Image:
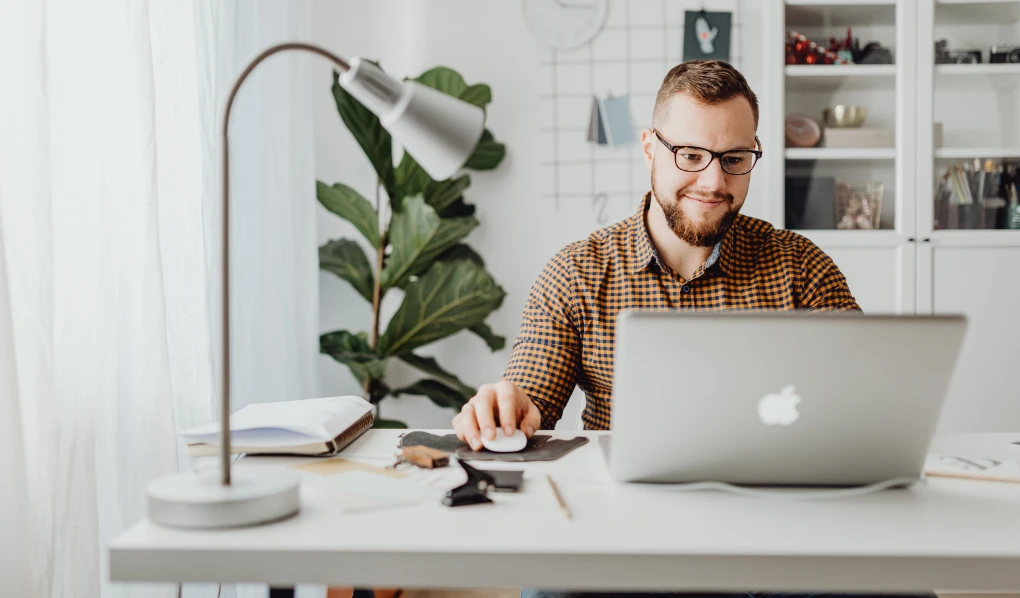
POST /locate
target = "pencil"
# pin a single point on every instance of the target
(559, 497)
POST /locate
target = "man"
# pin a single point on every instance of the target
(686, 247)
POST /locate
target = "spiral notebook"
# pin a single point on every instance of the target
(313, 427)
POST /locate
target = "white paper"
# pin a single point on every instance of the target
(286, 423)
(977, 468)
(363, 491)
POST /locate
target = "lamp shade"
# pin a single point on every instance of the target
(438, 130)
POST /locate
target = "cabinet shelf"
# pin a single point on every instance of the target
(950, 153)
(841, 153)
(831, 76)
(978, 70)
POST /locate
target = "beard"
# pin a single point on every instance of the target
(703, 234)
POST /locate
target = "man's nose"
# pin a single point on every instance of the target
(712, 178)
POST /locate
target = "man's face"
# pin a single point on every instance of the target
(699, 206)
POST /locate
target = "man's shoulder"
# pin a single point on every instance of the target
(600, 248)
(762, 235)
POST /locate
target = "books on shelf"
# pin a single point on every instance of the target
(313, 427)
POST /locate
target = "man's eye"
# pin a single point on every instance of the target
(691, 157)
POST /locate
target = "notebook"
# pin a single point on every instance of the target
(316, 427)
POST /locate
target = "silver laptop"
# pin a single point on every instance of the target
(777, 398)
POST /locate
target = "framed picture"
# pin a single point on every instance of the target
(707, 35)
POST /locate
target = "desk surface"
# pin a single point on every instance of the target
(948, 535)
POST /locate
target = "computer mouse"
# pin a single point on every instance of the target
(505, 444)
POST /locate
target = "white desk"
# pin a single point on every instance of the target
(947, 535)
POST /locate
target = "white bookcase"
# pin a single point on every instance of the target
(911, 264)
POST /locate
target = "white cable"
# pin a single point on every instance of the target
(783, 494)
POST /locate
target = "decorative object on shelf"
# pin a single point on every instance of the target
(802, 50)
(562, 25)
(972, 194)
(1004, 53)
(943, 55)
(707, 35)
(418, 253)
(802, 131)
(874, 53)
(858, 207)
(843, 116)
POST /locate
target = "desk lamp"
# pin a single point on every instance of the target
(440, 132)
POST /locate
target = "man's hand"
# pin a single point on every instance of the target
(501, 403)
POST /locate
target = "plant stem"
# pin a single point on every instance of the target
(377, 293)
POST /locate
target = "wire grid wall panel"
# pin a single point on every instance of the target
(640, 42)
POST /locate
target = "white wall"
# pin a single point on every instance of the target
(487, 42)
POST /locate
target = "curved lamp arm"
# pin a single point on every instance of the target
(225, 372)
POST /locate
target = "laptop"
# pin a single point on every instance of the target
(777, 398)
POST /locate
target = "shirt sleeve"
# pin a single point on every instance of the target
(823, 285)
(545, 356)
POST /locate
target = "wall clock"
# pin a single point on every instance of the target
(564, 24)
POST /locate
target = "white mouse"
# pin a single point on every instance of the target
(505, 444)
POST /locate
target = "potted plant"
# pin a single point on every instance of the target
(419, 250)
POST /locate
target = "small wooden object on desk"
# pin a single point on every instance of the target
(423, 456)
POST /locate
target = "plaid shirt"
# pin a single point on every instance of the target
(569, 321)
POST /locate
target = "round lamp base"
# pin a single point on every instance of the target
(197, 501)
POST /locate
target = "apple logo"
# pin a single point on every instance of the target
(779, 408)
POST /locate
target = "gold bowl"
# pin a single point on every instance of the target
(844, 116)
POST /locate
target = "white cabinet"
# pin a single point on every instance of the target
(984, 284)
(937, 250)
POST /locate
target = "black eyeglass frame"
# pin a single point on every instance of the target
(675, 148)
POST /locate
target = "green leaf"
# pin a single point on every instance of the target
(451, 296)
(460, 251)
(458, 209)
(353, 351)
(488, 154)
(445, 80)
(479, 95)
(441, 394)
(492, 339)
(441, 194)
(352, 207)
(430, 366)
(374, 140)
(418, 235)
(411, 179)
(388, 423)
(345, 258)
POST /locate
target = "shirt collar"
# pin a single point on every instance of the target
(646, 253)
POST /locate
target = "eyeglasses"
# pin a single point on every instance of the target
(695, 159)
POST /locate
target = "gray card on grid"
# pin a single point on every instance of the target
(598, 122)
(616, 112)
(707, 35)
(593, 120)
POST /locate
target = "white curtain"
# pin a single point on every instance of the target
(110, 113)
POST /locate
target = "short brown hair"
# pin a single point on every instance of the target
(707, 81)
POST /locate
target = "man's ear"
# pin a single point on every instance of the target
(648, 141)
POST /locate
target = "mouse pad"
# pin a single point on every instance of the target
(541, 447)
